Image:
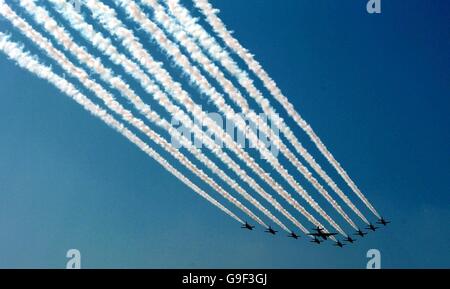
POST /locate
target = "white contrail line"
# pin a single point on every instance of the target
(77, 21)
(221, 55)
(25, 61)
(219, 27)
(106, 14)
(106, 97)
(177, 31)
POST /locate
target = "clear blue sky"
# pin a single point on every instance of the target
(374, 87)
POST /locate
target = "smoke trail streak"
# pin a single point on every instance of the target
(221, 55)
(106, 97)
(25, 61)
(177, 31)
(107, 17)
(104, 45)
(219, 27)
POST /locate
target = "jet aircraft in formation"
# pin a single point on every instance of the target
(319, 234)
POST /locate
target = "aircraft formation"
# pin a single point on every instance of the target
(320, 235)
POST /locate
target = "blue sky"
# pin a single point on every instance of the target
(374, 87)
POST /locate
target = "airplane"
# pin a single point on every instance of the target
(383, 221)
(293, 235)
(349, 239)
(270, 230)
(315, 240)
(318, 229)
(320, 233)
(247, 226)
(371, 227)
(338, 244)
(360, 233)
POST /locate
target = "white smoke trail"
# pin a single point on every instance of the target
(106, 97)
(221, 55)
(104, 45)
(108, 19)
(25, 61)
(219, 27)
(177, 31)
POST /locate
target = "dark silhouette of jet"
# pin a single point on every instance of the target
(321, 233)
(338, 244)
(371, 227)
(383, 221)
(293, 235)
(360, 233)
(349, 239)
(315, 240)
(247, 226)
(270, 231)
